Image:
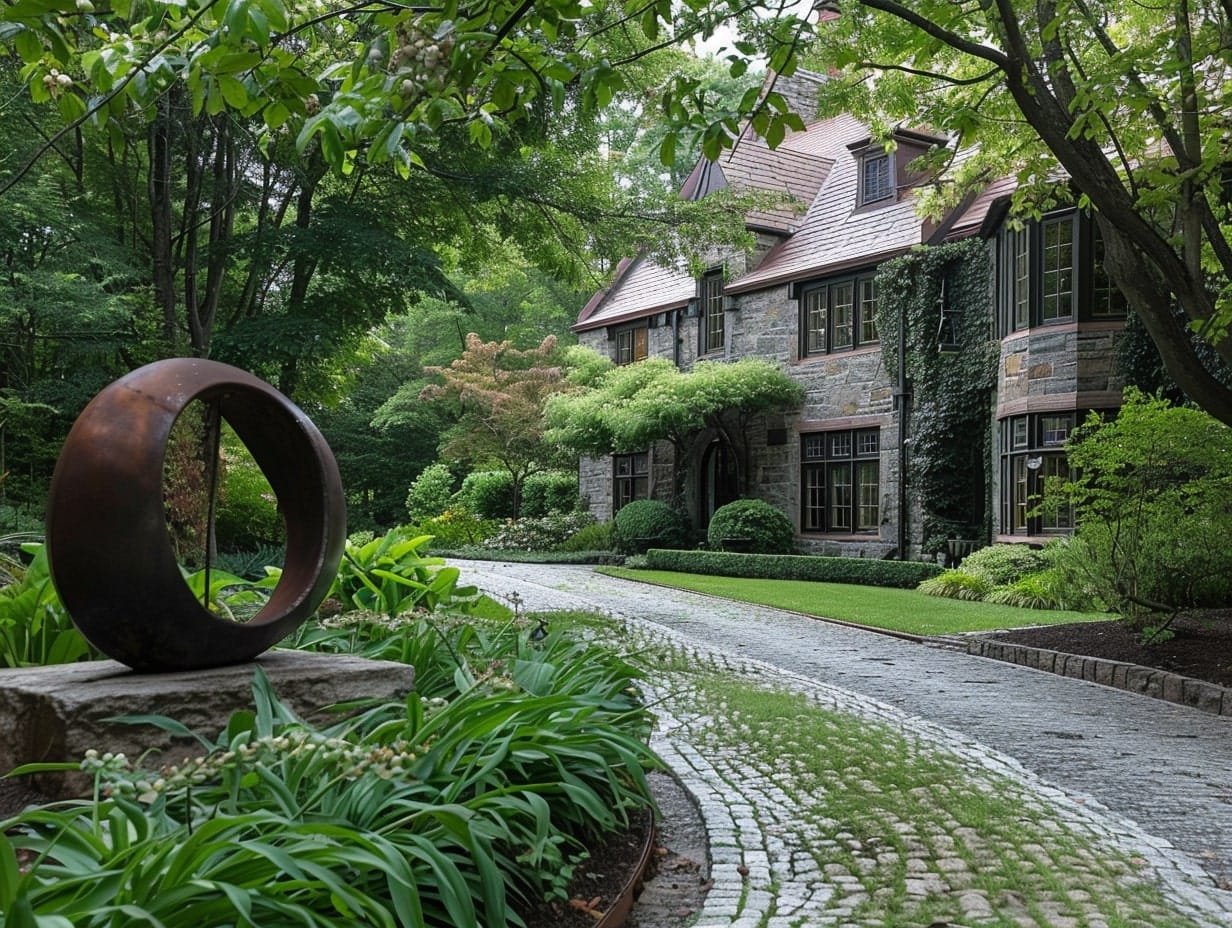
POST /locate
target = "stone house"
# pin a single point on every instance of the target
(845, 465)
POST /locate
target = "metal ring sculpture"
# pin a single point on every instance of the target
(111, 555)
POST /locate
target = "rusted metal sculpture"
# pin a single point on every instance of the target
(111, 554)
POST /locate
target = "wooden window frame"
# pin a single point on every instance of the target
(840, 482)
(823, 330)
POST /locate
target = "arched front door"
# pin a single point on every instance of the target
(719, 483)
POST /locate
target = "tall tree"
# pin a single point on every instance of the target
(498, 394)
(1131, 101)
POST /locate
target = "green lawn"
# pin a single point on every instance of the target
(880, 607)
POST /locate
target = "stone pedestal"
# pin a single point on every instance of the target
(56, 713)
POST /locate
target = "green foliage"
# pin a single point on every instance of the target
(949, 455)
(598, 536)
(497, 393)
(604, 556)
(1043, 590)
(246, 516)
(550, 492)
(751, 525)
(1151, 505)
(430, 493)
(1015, 575)
(251, 564)
(633, 406)
(487, 493)
(904, 574)
(545, 534)
(957, 584)
(412, 813)
(390, 575)
(455, 527)
(1000, 565)
(35, 628)
(645, 522)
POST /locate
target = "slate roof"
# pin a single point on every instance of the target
(751, 165)
(837, 233)
(639, 288)
(817, 167)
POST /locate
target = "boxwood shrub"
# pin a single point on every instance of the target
(864, 571)
(751, 525)
(648, 521)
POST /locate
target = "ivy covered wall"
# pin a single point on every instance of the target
(943, 297)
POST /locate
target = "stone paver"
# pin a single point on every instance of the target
(1149, 778)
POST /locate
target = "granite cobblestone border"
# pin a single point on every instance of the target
(1133, 678)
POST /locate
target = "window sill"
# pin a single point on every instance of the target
(844, 353)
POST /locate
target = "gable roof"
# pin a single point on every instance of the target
(640, 287)
(752, 166)
(837, 233)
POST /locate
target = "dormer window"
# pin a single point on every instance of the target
(875, 178)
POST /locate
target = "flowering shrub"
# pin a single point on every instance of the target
(542, 534)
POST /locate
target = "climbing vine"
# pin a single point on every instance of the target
(944, 297)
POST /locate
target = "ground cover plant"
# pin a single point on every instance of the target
(1016, 575)
(892, 609)
(459, 807)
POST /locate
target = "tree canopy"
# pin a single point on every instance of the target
(1118, 106)
(629, 408)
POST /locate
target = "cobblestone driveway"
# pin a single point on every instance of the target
(1151, 773)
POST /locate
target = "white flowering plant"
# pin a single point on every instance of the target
(446, 809)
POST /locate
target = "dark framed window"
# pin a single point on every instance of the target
(1032, 453)
(1052, 271)
(630, 479)
(876, 177)
(838, 315)
(713, 321)
(840, 481)
(631, 344)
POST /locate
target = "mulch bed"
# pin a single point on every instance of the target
(1201, 645)
(597, 882)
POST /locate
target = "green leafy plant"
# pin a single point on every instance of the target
(247, 515)
(455, 527)
(645, 522)
(390, 575)
(753, 525)
(35, 628)
(594, 537)
(1150, 500)
(430, 493)
(865, 571)
(957, 584)
(549, 492)
(488, 493)
(999, 565)
(432, 812)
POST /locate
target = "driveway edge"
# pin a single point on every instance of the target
(1134, 678)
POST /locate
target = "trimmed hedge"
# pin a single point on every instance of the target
(863, 571)
(472, 553)
(757, 524)
(648, 521)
